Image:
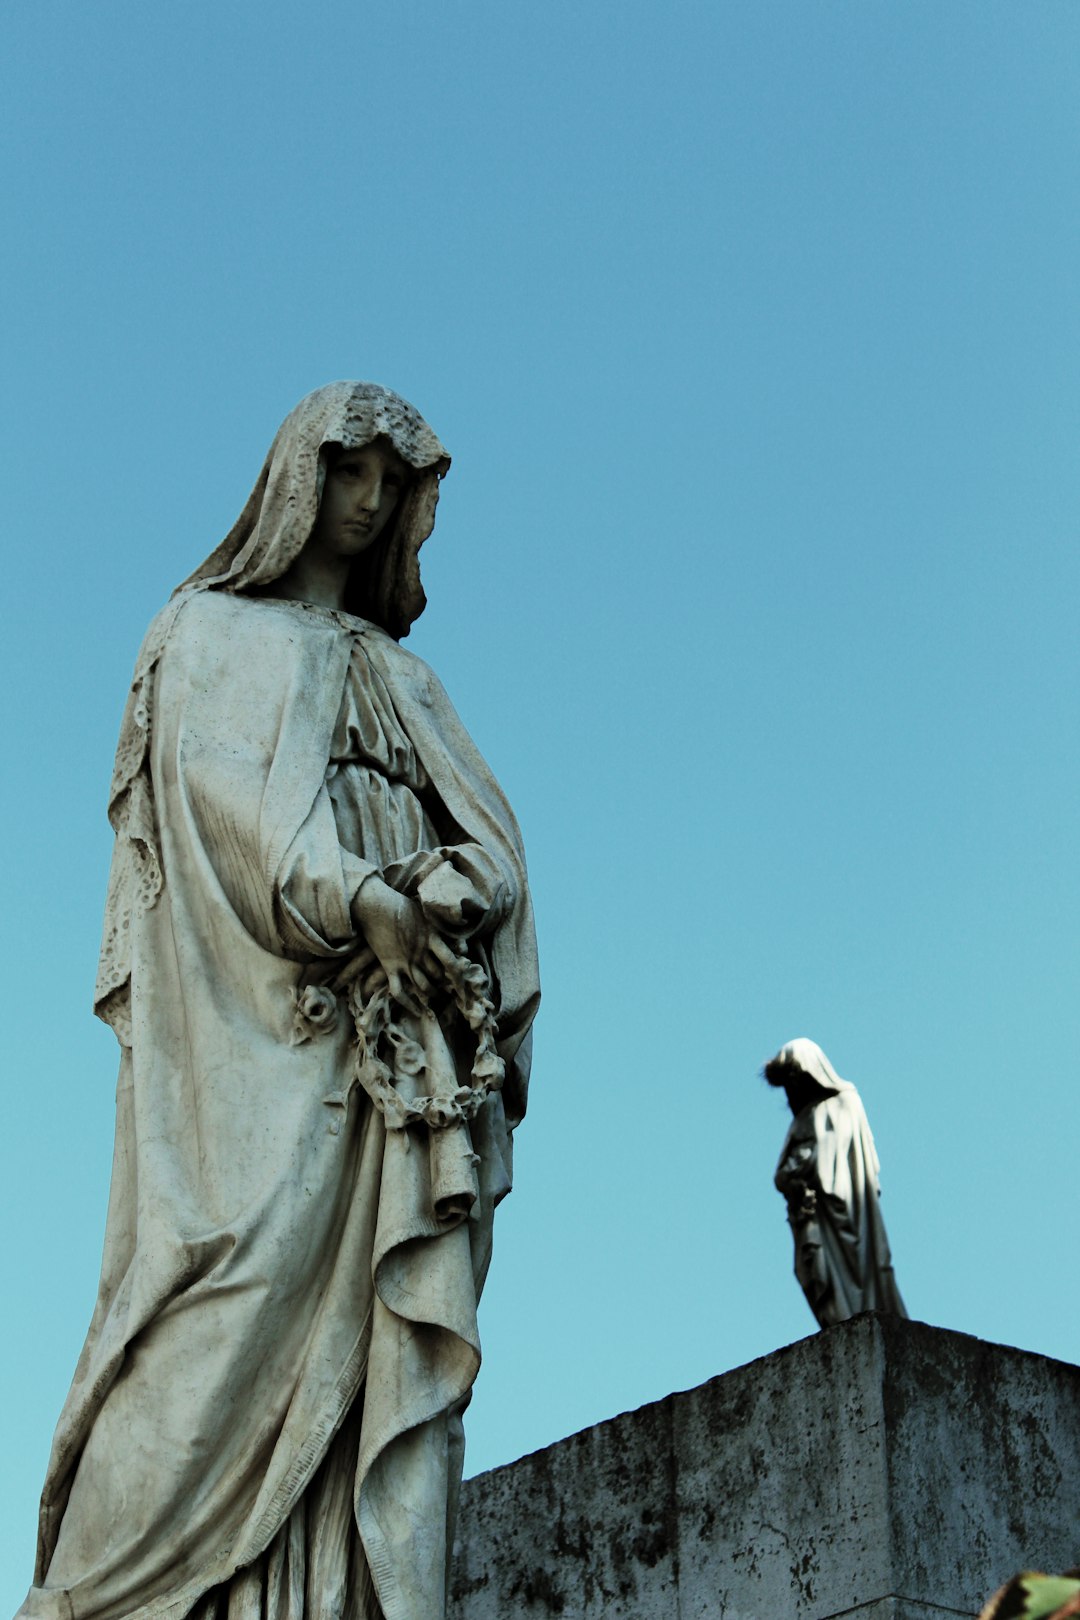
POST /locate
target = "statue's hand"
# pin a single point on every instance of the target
(455, 904)
(409, 950)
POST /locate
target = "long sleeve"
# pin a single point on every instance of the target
(246, 741)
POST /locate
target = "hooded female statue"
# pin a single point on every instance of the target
(320, 964)
(828, 1174)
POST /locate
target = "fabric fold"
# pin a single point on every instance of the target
(829, 1176)
(283, 1275)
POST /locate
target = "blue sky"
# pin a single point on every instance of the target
(754, 332)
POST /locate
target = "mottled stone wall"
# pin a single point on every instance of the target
(883, 1469)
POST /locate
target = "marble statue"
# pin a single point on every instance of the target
(320, 964)
(828, 1174)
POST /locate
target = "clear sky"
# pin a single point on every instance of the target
(754, 332)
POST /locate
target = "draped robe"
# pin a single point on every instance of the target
(829, 1176)
(277, 1270)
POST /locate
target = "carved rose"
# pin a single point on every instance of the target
(316, 1012)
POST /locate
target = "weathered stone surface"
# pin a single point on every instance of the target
(319, 961)
(883, 1469)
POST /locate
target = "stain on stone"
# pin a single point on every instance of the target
(651, 1543)
(871, 1454)
(538, 1590)
(465, 1586)
(803, 1572)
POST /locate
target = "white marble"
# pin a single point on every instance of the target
(320, 964)
(830, 1178)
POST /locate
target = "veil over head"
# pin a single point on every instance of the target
(280, 513)
(262, 545)
(843, 1102)
(805, 1054)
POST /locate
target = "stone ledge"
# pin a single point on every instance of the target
(896, 1608)
(878, 1458)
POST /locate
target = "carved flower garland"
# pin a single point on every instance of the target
(385, 1052)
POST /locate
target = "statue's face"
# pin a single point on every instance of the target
(361, 491)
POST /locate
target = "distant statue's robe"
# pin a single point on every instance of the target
(829, 1176)
(285, 1335)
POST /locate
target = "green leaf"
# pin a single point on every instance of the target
(1045, 1594)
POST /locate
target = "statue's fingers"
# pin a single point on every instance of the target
(355, 966)
(421, 980)
(441, 950)
(402, 993)
(375, 980)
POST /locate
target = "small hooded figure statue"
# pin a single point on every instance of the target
(320, 966)
(828, 1174)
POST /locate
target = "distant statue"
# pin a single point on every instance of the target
(828, 1174)
(320, 966)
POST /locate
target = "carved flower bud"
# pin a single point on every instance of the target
(318, 1005)
(316, 1012)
